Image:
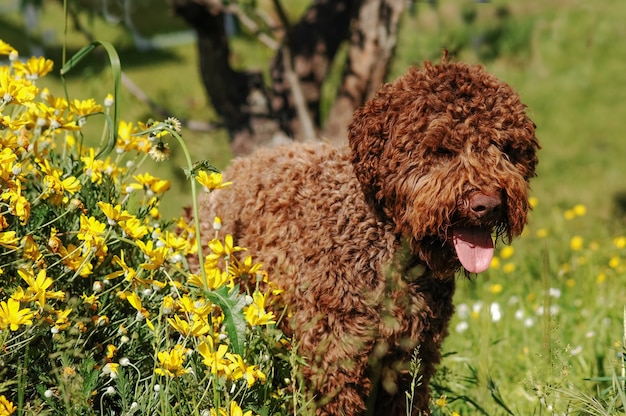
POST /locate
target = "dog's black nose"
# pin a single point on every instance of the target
(484, 206)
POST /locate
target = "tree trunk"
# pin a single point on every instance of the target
(257, 118)
(239, 98)
(312, 45)
(372, 45)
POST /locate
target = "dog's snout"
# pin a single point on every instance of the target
(484, 206)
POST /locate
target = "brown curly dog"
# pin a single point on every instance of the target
(366, 240)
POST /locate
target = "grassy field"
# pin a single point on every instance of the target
(542, 331)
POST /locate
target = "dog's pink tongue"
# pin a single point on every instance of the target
(474, 247)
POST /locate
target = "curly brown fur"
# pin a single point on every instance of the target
(363, 238)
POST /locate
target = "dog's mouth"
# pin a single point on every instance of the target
(474, 247)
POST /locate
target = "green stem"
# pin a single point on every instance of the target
(194, 204)
(21, 382)
(547, 318)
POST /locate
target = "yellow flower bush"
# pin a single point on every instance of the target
(99, 311)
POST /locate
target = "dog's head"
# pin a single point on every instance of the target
(446, 153)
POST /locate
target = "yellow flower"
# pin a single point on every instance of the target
(85, 107)
(134, 300)
(619, 242)
(569, 214)
(542, 233)
(255, 313)
(441, 402)
(168, 305)
(218, 249)
(73, 259)
(55, 187)
(126, 141)
(215, 359)
(508, 268)
(247, 268)
(495, 263)
(20, 206)
(111, 351)
(234, 410)
(68, 372)
(601, 278)
(93, 167)
(576, 243)
(34, 68)
(215, 278)
(12, 317)
(37, 287)
(171, 362)
(111, 369)
(156, 256)
(7, 161)
(150, 184)
(211, 180)
(44, 116)
(533, 201)
(62, 321)
(496, 288)
(506, 252)
(240, 369)
(6, 407)
(91, 231)
(91, 300)
(615, 262)
(194, 307)
(30, 249)
(580, 210)
(13, 122)
(175, 242)
(58, 104)
(8, 239)
(12, 90)
(128, 272)
(196, 328)
(134, 228)
(114, 213)
(6, 49)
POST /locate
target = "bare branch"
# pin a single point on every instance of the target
(304, 117)
(253, 27)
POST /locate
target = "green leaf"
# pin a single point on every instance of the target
(232, 303)
(604, 379)
(116, 70)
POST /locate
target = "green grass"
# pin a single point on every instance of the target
(565, 59)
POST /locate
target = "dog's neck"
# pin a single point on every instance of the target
(412, 261)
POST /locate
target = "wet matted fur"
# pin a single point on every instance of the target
(366, 239)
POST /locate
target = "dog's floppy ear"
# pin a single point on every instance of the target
(366, 136)
(374, 124)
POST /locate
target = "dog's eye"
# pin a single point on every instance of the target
(512, 153)
(444, 153)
